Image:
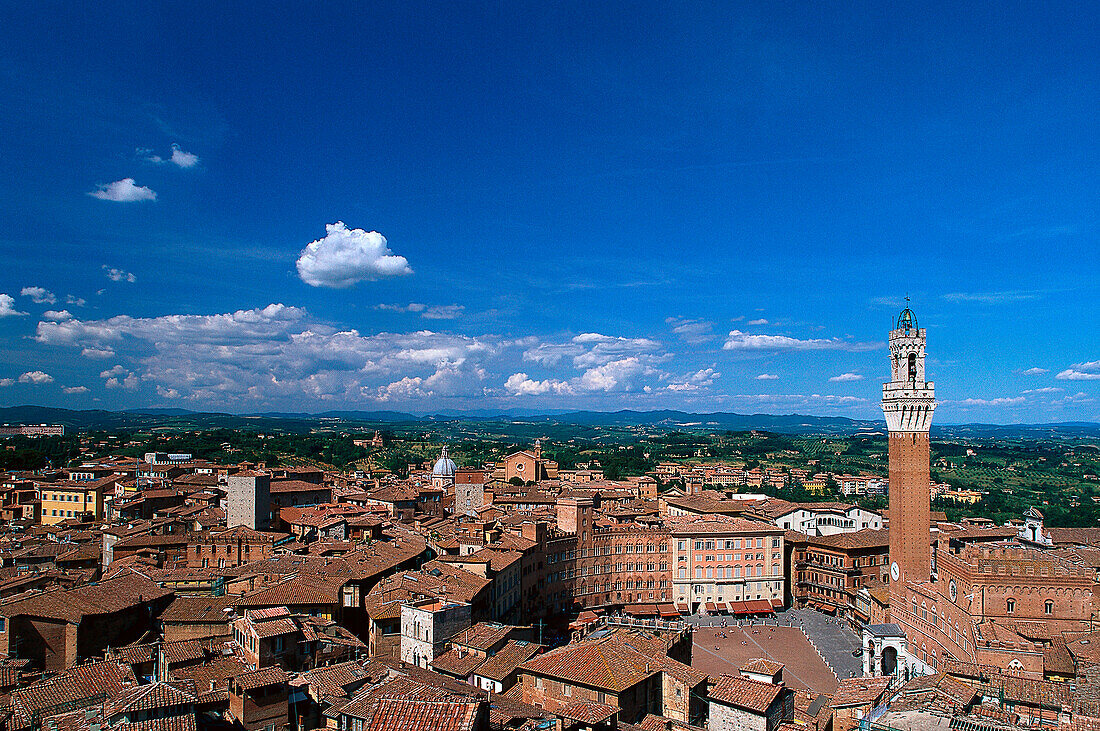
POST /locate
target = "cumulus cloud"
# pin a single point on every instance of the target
(767, 377)
(123, 191)
(36, 378)
(754, 323)
(518, 384)
(39, 295)
(1035, 371)
(72, 390)
(7, 306)
(1089, 371)
(696, 381)
(692, 331)
(5, 382)
(118, 275)
(57, 315)
(74, 300)
(277, 352)
(738, 340)
(588, 350)
(346, 256)
(846, 377)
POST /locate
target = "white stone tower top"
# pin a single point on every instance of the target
(908, 400)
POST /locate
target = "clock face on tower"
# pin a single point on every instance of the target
(953, 590)
(895, 572)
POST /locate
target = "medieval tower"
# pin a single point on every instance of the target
(908, 402)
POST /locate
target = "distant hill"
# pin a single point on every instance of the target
(298, 422)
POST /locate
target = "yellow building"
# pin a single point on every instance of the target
(72, 499)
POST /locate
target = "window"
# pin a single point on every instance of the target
(1011, 606)
(1048, 607)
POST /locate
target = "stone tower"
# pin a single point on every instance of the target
(908, 402)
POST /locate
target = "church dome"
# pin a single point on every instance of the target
(444, 466)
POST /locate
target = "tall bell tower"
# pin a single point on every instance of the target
(908, 402)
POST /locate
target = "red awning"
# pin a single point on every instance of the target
(759, 606)
(739, 608)
(711, 607)
(668, 611)
(777, 603)
(641, 610)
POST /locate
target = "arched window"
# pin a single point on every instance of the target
(912, 366)
(1048, 607)
(1011, 606)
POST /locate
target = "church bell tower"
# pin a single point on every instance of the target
(908, 402)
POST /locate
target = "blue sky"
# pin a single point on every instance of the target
(548, 205)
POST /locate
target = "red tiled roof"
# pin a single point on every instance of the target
(734, 690)
(392, 714)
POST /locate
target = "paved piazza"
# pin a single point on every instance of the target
(720, 650)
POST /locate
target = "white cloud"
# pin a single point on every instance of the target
(183, 159)
(178, 158)
(7, 382)
(1047, 389)
(1000, 401)
(991, 298)
(617, 375)
(428, 312)
(37, 378)
(57, 315)
(75, 389)
(694, 382)
(767, 377)
(123, 191)
(519, 384)
(1089, 371)
(346, 256)
(442, 312)
(39, 295)
(7, 306)
(589, 350)
(692, 331)
(738, 340)
(278, 353)
(761, 321)
(1035, 371)
(74, 300)
(118, 275)
(846, 377)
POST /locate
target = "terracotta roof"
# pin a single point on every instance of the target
(105, 597)
(762, 666)
(148, 697)
(392, 714)
(859, 691)
(588, 712)
(866, 538)
(260, 678)
(483, 635)
(734, 690)
(457, 662)
(507, 659)
(205, 609)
